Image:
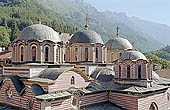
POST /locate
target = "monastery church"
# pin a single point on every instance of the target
(58, 71)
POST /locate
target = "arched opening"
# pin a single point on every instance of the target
(46, 54)
(139, 71)
(86, 54)
(120, 54)
(68, 54)
(153, 106)
(76, 54)
(128, 72)
(97, 54)
(119, 71)
(34, 51)
(21, 53)
(57, 55)
(112, 57)
(72, 80)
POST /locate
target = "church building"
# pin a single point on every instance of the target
(79, 73)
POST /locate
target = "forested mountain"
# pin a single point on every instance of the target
(161, 57)
(18, 14)
(165, 64)
(102, 22)
(69, 16)
(163, 53)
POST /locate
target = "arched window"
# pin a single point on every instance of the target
(76, 53)
(112, 57)
(119, 71)
(34, 51)
(86, 54)
(153, 106)
(68, 54)
(128, 72)
(97, 54)
(57, 55)
(139, 72)
(120, 54)
(72, 80)
(46, 54)
(21, 53)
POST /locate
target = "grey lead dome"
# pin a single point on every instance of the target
(39, 32)
(133, 55)
(86, 36)
(119, 43)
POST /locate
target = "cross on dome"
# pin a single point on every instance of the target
(117, 29)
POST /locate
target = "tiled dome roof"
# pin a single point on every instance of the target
(133, 55)
(119, 43)
(38, 32)
(86, 36)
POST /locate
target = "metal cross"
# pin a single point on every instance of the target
(39, 19)
(87, 19)
(117, 34)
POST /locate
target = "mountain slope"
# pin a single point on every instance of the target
(23, 13)
(102, 22)
(163, 53)
(69, 16)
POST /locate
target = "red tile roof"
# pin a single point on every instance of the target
(165, 73)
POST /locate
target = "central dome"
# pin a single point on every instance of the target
(119, 43)
(86, 36)
(39, 32)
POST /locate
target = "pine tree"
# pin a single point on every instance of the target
(14, 31)
(4, 37)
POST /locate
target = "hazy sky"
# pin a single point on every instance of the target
(153, 10)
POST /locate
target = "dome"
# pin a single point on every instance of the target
(133, 55)
(119, 43)
(86, 36)
(103, 74)
(39, 32)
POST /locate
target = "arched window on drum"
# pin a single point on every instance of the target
(76, 53)
(86, 54)
(47, 53)
(21, 53)
(97, 53)
(34, 53)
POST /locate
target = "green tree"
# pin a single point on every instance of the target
(14, 31)
(4, 37)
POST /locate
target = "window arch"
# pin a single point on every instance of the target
(119, 71)
(139, 72)
(57, 55)
(153, 106)
(120, 54)
(68, 54)
(72, 80)
(76, 54)
(112, 57)
(86, 54)
(22, 53)
(97, 54)
(34, 53)
(128, 72)
(46, 53)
